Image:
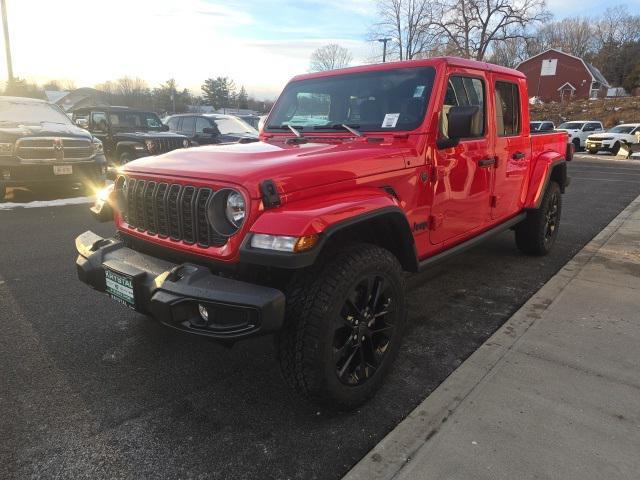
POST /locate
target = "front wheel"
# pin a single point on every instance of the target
(615, 149)
(537, 234)
(125, 157)
(344, 326)
(576, 144)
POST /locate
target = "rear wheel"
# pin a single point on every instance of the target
(344, 326)
(538, 232)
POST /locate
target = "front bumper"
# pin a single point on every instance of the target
(13, 173)
(599, 144)
(171, 292)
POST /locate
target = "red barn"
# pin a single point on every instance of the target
(556, 76)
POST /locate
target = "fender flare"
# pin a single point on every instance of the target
(549, 165)
(357, 208)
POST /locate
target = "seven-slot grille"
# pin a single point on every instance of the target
(174, 211)
(48, 149)
(165, 145)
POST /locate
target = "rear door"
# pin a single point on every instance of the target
(512, 148)
(464, 172)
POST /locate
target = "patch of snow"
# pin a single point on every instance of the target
(47, 203)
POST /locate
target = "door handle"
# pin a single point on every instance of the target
(487, 162)
(518, 156)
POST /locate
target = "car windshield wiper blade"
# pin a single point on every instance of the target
(341, 126)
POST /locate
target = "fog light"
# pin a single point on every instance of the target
(204, 313)
(6, 173)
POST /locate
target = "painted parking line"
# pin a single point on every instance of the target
(47, 203)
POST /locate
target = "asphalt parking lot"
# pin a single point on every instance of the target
(90, 389)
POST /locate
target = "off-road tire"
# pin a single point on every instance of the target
(125, 157)
(615, 149)
(533, 235)
(316, 299)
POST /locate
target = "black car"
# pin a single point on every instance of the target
(128, 134)
(205, 129)
(39, 145)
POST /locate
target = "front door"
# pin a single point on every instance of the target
(512, 149)
(464, 173)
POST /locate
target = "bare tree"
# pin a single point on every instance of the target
(472, 27)
(571, 35)
(510, 52)
(617, 26)
(330, 57)
(408, 23)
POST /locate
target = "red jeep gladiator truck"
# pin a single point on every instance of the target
(360, 175)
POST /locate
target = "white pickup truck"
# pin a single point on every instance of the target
(612, 139)
(579, 130)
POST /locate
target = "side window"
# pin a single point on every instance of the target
(173, 123)
(507, 109)
(595, 126)
(99, 121)
(464, 92)
(188, 125)
(201, 124)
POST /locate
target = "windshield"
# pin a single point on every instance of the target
(135, 120)
(622, 129)
(16, 112)
(232, 125)
(571, 126)
(372, 101)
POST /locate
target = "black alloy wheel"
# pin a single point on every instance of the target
(364, 330)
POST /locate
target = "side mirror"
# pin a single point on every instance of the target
(164, 128)
(82, 123)
(209, 131)
(459, 125)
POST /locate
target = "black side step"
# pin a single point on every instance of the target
(461, 247)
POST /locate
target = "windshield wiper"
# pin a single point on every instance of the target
(341, 126)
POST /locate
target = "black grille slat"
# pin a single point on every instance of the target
(176, 211)
(139, 204)
(131, 203)
(149, 207)
(202, 224)
(173, 212)
(187, 201)
(161, 209)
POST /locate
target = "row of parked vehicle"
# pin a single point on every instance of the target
(590, 135)
(41, 145)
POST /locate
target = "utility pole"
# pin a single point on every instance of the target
(384, 47)
(7, 46)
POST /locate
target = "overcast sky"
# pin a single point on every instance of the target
(258, 43)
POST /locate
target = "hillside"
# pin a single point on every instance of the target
(610, 111)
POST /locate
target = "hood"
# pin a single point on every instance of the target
(148, 135)
(604, 135)
(43, 129)
(291, 167)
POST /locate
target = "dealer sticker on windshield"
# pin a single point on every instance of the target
(120, 288)
(390, 120)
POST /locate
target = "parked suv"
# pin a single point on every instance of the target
(612, 139)
(360, 174)
(208, 129)
(128, 134)
(579, 131)
(39, 145)
(536, 127)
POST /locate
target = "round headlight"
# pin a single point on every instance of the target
(185, 143)
(236, 209)
(151, 145)
(226, 211)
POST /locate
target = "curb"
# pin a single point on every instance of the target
(396, 450)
